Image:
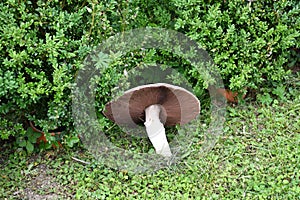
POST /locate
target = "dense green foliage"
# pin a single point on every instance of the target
(43, 45)
(250, 41)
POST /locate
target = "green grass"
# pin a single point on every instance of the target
(257, 157)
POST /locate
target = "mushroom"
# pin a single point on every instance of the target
(156, 105)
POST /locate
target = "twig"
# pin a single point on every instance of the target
(81, 161)
(34, 128)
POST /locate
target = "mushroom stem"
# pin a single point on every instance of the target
(156, 131)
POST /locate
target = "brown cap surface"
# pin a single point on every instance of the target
(179, 106)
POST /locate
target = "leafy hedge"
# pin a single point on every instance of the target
(43, 44)
(250, 41)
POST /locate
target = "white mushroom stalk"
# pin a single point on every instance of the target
(156, 131)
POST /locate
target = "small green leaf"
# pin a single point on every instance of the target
(71, 141)
(29, 147)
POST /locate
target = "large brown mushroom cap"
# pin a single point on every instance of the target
(179, 106)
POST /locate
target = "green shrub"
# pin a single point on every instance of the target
(250, 41)
(43, 45)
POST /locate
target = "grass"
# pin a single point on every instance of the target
(257, 157)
